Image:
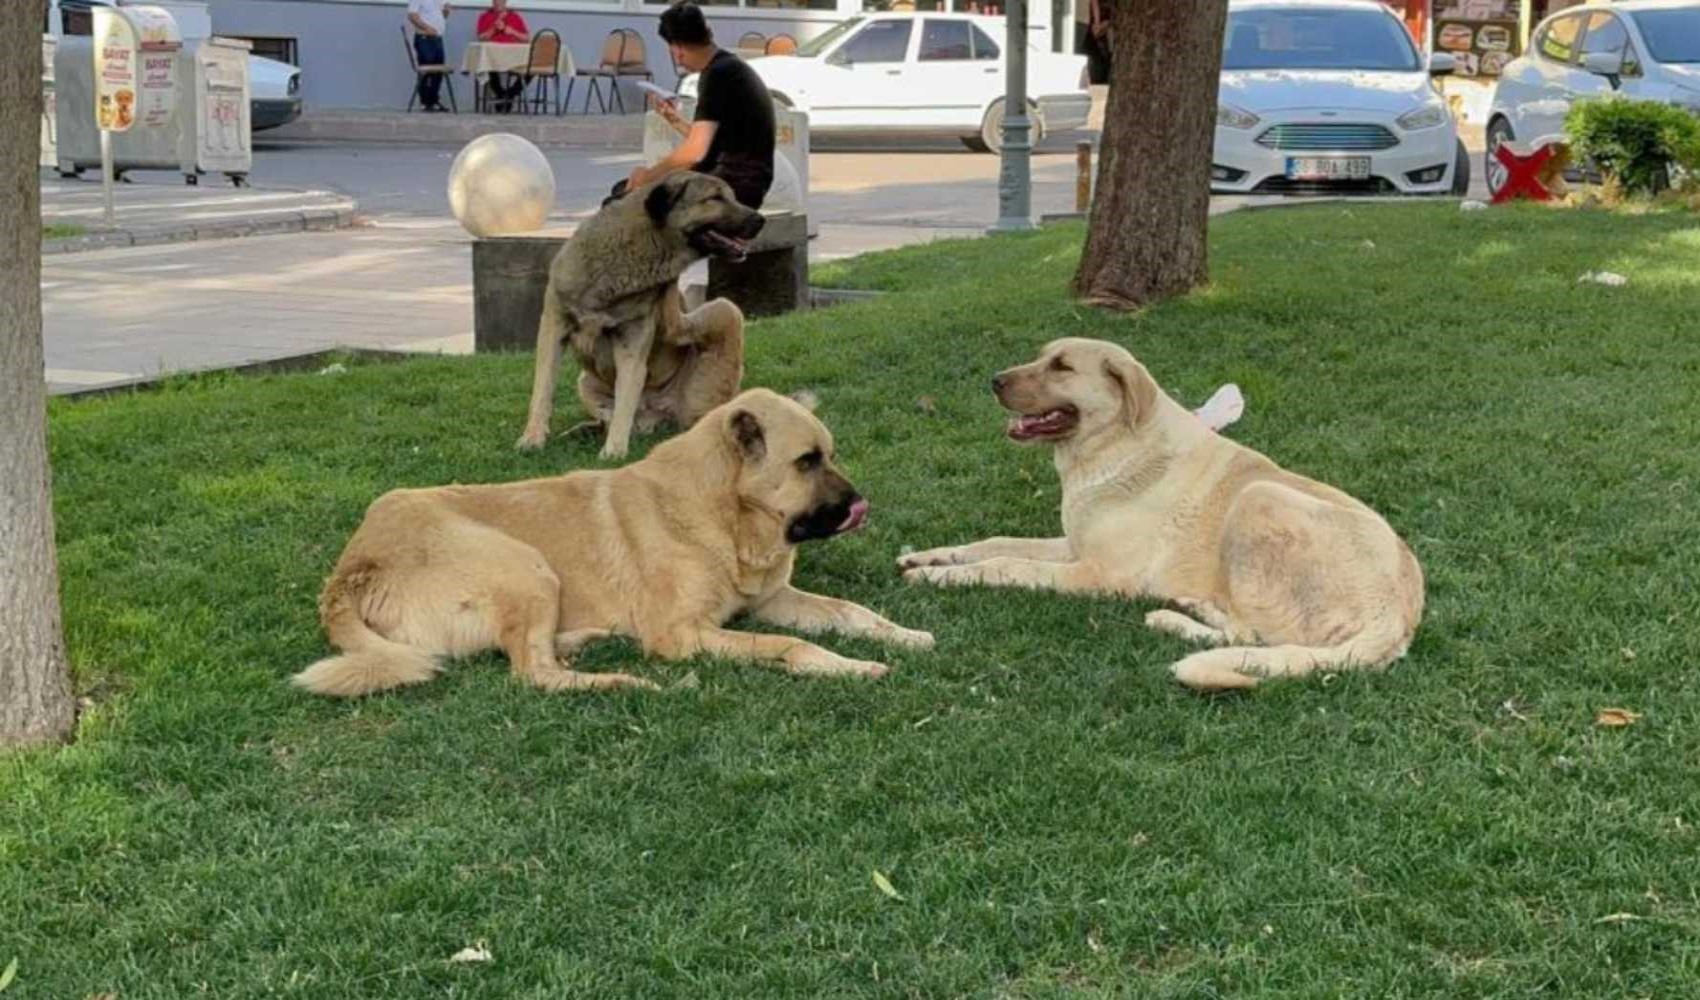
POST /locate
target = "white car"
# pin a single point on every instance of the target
(274, 88)
(1647, 49)
(1321, 96)
(920, 74)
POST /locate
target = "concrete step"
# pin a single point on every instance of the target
(568, 131)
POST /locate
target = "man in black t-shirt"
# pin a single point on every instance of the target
(732, 136)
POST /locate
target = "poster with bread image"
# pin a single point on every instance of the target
(118, 57)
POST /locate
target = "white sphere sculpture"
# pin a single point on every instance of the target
(501, 184)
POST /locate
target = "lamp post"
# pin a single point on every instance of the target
(1015, 181)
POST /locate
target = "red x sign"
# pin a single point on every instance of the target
(1523, 172)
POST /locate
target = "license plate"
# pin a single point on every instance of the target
(1328, 168)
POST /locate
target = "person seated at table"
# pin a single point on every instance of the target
(504, 27)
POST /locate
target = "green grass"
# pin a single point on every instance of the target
(1059, 818)
(61, 230)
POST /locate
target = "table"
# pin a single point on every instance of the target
(484, 59)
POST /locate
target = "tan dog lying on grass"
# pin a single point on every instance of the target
(1287, 574)
(664, 550)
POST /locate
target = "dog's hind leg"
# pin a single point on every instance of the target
(527, 606)
(551, 332)
(1177, 624)
(717, 370)
(631, 371)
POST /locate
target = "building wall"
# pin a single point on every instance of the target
(351, 52)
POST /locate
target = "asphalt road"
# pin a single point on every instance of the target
(929, 185)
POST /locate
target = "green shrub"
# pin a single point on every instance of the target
(1634, 142)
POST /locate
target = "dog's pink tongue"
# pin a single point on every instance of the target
(853, 520)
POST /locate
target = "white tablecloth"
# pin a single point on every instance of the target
(507, 57)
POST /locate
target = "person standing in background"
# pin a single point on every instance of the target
(430, 19)
(1092, 38)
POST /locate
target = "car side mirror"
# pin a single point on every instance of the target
(1442, 64)
(1606, 64)
(839, 58)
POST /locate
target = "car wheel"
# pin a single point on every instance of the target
(991, 129)
(1461, 171)
(1498, 131)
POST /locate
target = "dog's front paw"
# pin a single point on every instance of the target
(532, 439)
(948, 556)
(861, 668)
(910, 638)
(613, 450)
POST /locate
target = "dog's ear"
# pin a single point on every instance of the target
(1138, 388)
(805, 398)
(745, 432)
(660, 201)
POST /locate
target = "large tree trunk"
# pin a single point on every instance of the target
(35, 689)
(1146, 241)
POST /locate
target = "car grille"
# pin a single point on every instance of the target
(1327, 136)
(1281, 185)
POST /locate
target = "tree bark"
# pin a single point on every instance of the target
(35, 688)
(1147, 236)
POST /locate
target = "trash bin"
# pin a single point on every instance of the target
(205, 129)
(49, 126)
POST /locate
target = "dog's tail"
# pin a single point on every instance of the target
(368, 662)
(1235, 668)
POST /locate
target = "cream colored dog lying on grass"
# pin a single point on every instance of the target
(1285, 574)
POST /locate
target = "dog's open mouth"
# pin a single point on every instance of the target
(730, 247)
(855, 519)
(1037, 426)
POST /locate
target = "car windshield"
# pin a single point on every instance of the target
(1673, 36)
(1317, 38)
(820, 43)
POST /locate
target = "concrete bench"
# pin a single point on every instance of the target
(510, 274)
(774, 278)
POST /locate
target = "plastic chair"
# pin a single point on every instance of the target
(622, 56)
(542, 65)
(421, 72)
(781, 45)
(752, 43)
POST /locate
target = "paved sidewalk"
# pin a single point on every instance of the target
(124, 316)
(152, 212)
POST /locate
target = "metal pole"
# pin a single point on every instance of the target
(106, 171)
(1015, 181)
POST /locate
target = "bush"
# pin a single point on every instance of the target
(1634, 143)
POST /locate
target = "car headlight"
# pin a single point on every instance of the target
(1427, 116)
(1231, 117)
(294, 84)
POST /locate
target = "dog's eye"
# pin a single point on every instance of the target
(1059, 365)
(810, 461)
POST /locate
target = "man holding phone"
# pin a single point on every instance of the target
(733, 135)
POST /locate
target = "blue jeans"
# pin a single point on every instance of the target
(428, 49)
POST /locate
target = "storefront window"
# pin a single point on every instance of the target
(956, 6)
(759, 4)
(1482, 35)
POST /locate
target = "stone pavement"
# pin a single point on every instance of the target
(151, 212)
(124, 316)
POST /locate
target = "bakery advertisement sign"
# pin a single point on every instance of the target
(135, 60)
(116, 70)
(1481, 35)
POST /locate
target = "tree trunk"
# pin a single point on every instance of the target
(35, 688)
(1147, 236)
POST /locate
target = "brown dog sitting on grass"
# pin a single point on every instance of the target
(665, 551)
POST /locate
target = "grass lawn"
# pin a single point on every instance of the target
(1058, 817)
(61, 230)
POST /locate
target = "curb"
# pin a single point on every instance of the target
(322, 219)
(597, 132)
(287, 364)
